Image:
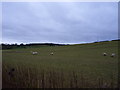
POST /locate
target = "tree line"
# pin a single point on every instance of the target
(11, 46)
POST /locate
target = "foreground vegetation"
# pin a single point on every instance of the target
(72, 66)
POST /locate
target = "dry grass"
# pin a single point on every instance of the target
(31, 78)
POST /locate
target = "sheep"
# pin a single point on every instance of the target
(34, 53)
(51, 53)
(104, 54)
(113, 54)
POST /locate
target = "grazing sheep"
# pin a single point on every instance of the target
(113, 54)
(34, 53)
(104, 54)
(51, 53)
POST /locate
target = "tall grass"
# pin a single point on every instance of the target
(25, 77)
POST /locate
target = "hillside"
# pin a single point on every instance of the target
(69, 62)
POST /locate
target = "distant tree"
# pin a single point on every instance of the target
(15, 44)
(21, 44)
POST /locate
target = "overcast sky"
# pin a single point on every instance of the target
(59, 22)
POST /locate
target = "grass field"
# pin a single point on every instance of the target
(72, 66)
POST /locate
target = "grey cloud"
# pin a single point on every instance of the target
(59, 22)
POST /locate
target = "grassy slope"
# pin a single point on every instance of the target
(86, 58)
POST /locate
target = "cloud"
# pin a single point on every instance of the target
(59, 22)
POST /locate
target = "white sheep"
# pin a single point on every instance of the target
(34, 53)
(104, 54)
(113, 54)
(51, 53)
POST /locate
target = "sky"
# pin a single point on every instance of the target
(59, 22)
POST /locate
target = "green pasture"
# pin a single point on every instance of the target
(86, 59)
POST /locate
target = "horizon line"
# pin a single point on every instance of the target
(56, 42)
